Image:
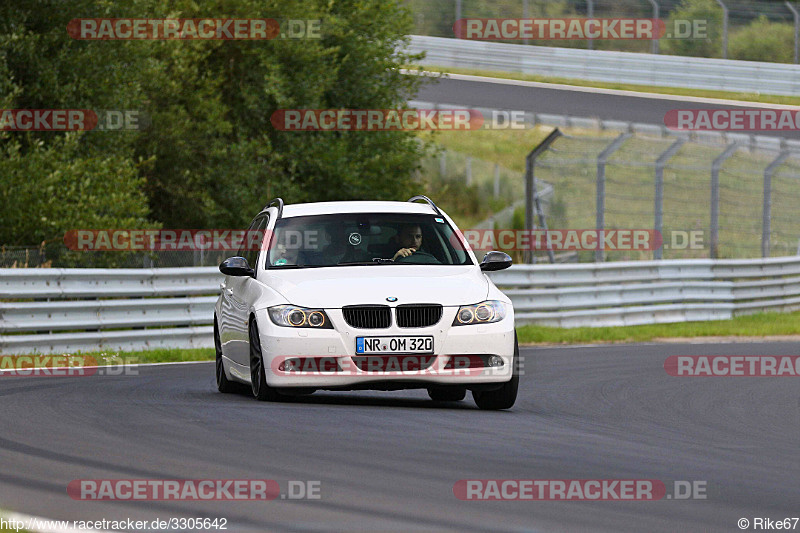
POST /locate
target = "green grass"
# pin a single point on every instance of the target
(678, 91)
(758, 325)
(159, 355)
(571, 167)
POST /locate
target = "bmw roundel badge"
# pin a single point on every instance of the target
(391, 299)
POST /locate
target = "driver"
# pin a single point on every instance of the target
(409, 238)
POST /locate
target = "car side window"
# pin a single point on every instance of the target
(251, 244)
(258, 252)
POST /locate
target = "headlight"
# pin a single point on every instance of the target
(291, 316)
(482, 313)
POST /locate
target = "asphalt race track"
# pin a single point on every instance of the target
(568, 101)
(388, 461)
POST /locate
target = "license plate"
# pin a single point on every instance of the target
(376, 345)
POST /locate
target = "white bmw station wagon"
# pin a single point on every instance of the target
(364, 295)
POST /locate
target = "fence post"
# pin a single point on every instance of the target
(496, 190)
(724, 29)
(715, 167)
(458, 9)
(600, 213)
(525, 15)
(530, 187)
(658, 210)
(766, 214)
(468, 170)
(654, 3)
(796, 17)
(590, 14)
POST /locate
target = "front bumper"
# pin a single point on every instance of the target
(450, 363)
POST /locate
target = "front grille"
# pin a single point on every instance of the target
(418, 315)
(368, 316)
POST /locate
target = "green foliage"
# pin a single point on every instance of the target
(711, 46)
(436, 17)
(53, 188)
(210, 157)
(762, 40)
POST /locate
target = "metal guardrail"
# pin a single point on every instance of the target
(609, 66)
(650, 292)
(66, 310)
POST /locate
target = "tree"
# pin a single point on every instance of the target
(711, 46)
(210, 157)
(762, 40)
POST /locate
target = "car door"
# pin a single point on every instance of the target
(237, 290)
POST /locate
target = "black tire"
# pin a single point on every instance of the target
(447, 394)
(223, 384)
(258, 375)
(505, 396)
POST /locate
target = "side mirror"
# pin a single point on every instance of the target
(495, 261)
(236, 266)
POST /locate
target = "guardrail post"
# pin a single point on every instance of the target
(796, 17)
(530, 190)
(590, 14)
(715, 167)
(600, 215)
(658, 210)
(766, 214)
(724, 29)
(654, 3)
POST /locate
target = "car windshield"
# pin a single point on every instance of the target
(364, 239)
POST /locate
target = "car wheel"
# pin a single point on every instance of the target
(258, 374)
(447, 394)
(223, 384)
(505, 396)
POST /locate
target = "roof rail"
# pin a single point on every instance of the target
(278, 201)
(430, 202)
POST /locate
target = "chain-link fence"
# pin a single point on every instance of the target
(706, 200)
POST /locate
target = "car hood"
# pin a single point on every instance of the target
(336, 287)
